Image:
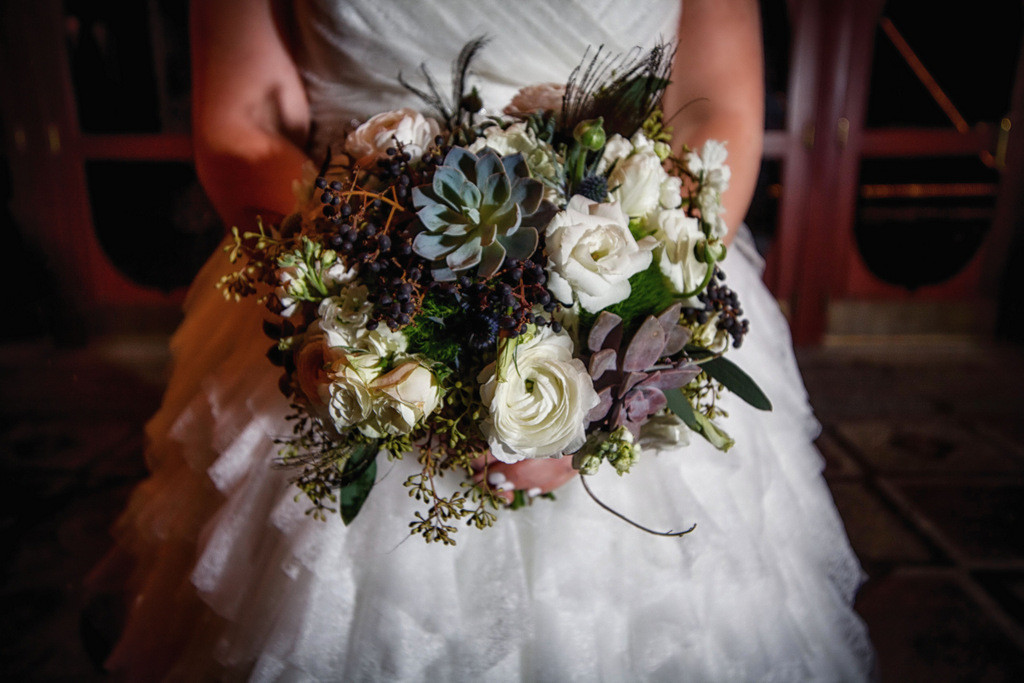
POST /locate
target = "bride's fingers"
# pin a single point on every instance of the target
(533, 476)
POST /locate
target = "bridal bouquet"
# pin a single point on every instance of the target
(538, 284)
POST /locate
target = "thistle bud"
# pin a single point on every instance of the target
(590, 134)
(472, 102)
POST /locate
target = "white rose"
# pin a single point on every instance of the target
(400, 399)
(311, 369)
(592, 254)
(371, 140)
(678, 236)
(348, 396)
(641, 143)
(534, 98)
(540, 409)
(636, 182)
(616, 149)
(343, 320)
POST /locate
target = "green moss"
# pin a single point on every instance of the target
(649, 296)
(430, 334)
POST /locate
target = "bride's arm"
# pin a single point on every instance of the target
(718, 90)
(250, 114)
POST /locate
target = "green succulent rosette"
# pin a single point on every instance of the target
(472, 213)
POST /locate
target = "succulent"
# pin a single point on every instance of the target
(473, 212)
(631, 379)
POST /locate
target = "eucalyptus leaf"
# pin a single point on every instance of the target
(679, 405)
(352, 496)
(737, 381)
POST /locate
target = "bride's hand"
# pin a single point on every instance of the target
(537, 476)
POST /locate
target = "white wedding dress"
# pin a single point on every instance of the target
(234, 581)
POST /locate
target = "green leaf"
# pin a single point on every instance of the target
(737, 381)
(352, 496)
(679, 405)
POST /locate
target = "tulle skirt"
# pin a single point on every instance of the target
(233, 580)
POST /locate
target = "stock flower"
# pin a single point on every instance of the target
(538, 408)
(371, 140)
(678, 236)
(592, 254)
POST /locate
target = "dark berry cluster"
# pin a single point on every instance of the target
(374, 233)
(718, 298)
(503, 305)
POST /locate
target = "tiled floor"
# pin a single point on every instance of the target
(923, 446)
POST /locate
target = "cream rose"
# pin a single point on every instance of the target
(400, 399)
(371, 140)
(539, 409)
(311, 363)
(592, 254)
(534, 98)
(348, 395)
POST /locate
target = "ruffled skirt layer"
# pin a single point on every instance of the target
(234, 581)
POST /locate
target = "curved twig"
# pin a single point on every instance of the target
(583, 479)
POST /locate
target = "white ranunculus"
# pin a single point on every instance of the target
(592, 254)
(400, 399)
(534, 98)
(539, 409)
(678, 236)
(636, 182)
(371, 140)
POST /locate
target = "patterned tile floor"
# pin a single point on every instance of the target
(922, 444)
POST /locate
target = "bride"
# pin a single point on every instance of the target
(232, 580)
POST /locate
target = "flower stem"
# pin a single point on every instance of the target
(583, 480)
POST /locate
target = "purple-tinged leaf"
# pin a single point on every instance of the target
(606, 332)
(599, 411)
(645, 348)
(601, 362)
(671, 379)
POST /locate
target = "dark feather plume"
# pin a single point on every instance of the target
(624, 89)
